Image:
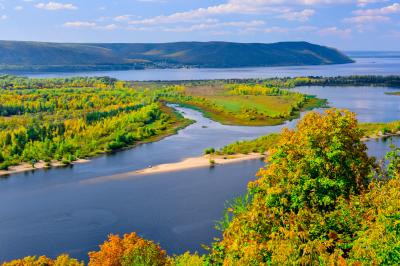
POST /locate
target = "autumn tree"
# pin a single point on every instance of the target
(128, 251)
(299, 211)
(378, 241)
(62, 260)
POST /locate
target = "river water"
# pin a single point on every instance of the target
(362, 66)
(73, 209)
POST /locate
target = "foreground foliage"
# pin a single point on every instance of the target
(129, 250)
(317, 202)
(62, 260)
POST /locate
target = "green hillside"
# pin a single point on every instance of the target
(15, 55)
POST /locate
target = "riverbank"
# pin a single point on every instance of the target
(180, 123)
(25, 167)
(215, 160)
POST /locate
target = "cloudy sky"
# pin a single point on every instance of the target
(345, 24)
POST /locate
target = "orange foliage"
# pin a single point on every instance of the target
(129, 250)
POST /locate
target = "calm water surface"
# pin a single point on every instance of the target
(363, 66)
(73, 209)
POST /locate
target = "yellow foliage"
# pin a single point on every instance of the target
(62, 260)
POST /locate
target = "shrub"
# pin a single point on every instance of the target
(209, 151)
(385, 130)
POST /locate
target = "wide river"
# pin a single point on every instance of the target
(362, 66)
(73, 209)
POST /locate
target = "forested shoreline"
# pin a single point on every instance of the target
(62, 120)
(288, 82)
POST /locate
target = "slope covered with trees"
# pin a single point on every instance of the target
(39, 56)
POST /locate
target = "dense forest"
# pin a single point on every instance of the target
(33, 56)
(62, 120)
(319, 200)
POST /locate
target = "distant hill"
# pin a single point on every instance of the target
(373, 54)
(29, 56)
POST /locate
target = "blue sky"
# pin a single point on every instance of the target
(345, 24)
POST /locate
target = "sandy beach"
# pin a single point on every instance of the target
(25, 167)
(186, 164)
(198, 162)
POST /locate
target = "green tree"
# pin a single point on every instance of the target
(299, 212)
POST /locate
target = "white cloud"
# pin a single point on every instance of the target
(80, 24)
(3, 17)
(233, 7)
(392, 9)
(122, 18)
(18, 8)
(335, 31)
(366, 19)
(291, 2)
(275, 30)
(363, 3)
(298, 15)
(214, 24)
(56, 6)
(108, 27)
(89, 25)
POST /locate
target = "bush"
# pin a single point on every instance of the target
(115, 145)
(209, 151)
(385, 130)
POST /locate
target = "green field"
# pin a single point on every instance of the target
(242, 104)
